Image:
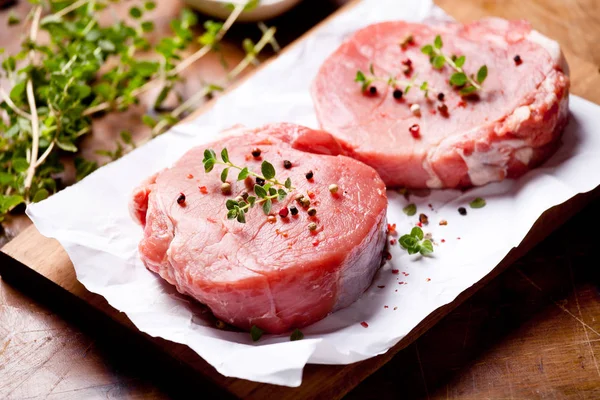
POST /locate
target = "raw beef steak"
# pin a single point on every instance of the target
(514, 125)
(272, 272)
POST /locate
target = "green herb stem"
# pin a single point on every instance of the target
(13, 106)
(191, 101)
(206, 48)
(274, 181)
(458, 69)
(71, 7)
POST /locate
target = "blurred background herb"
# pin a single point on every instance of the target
(87, 68)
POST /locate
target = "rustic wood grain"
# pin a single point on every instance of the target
(531, 333)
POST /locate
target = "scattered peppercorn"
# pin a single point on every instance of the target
(518, 60)
(256, 152)
(443, 109)
(398, 94)
(441, 96)
(407, 62)
(190, 176)
(260, 181)
(220, 324)
(287, 164)
(364, 324)
(305, 202)
(309, 175)
(181, 199)
(203, 189)
(294, 210)
(312, 211)
(333, 188)
(415, 131)
(226, 188)
(462, 211)
(283, 213)
(271, 219)
(239, 199)
(416, 110)
(373, 90)
(312, 226)
(443, 222)
(245, 195)
(423, 219)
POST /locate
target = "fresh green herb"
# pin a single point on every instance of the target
(366, 80)
(414, 242)
(459, 79)
(66, 81)
(256, 333)
(272, 190)
(410, 210)
(13, 19)
(477, 203)
(296, 335)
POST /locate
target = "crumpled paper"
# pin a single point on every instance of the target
(91, 221)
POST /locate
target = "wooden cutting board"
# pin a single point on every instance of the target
(47, 258)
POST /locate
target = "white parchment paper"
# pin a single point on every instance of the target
(91, 221)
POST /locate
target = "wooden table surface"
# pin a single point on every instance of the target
(533, 332)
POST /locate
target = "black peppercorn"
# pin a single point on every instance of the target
(260, 181)
(256, 152)
(373, 90)
(398, 94)
(462, 211)
(309, 175)
(294, 210)
(441, 96)
(518, 60)
(181, 199)
(287, 164)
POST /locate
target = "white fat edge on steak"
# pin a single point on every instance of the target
(552, 47)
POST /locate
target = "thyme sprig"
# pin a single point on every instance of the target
(366, 80)
(265, 194)
(468, 84)
(414, 242)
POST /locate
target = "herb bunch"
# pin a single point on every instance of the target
(467, 84)
(271, 190)
(414, 242)
(58, 87)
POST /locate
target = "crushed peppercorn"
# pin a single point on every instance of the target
(462, 211)
(443, 109)
(256, 152)
(181, 199)
(190, 176)
(443, 222)
(203, 189)
(287, 164)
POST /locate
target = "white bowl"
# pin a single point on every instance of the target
(266, 9)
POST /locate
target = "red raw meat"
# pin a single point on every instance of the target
(275, 275)
(515, 125)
